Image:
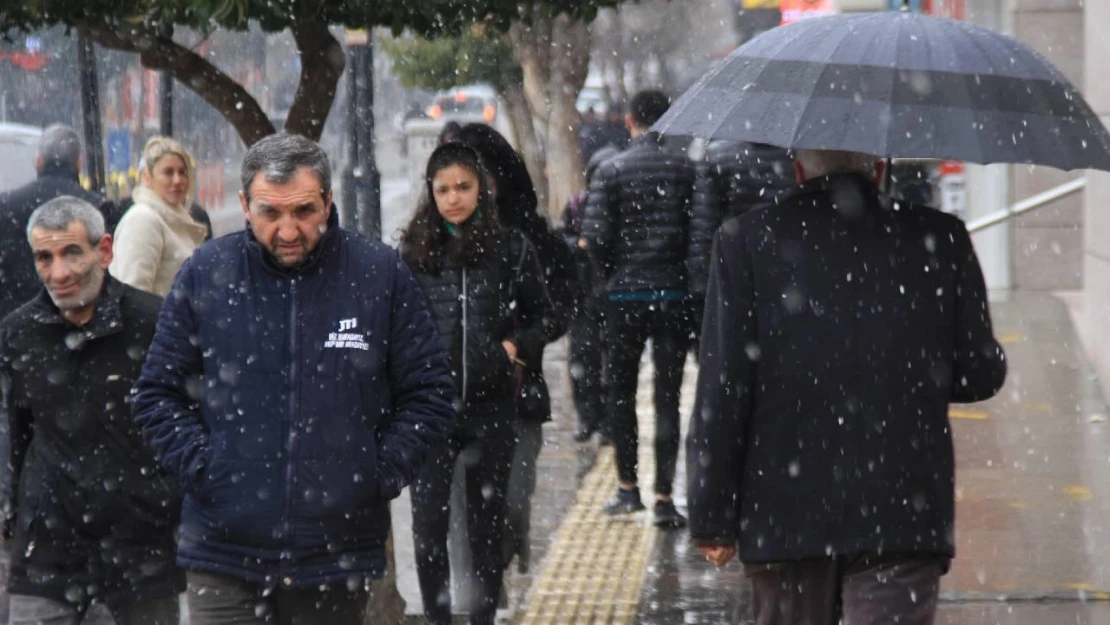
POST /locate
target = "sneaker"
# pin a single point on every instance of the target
(666, 516)
(624, 502)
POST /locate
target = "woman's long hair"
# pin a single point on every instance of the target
(426, 244)
(516, 195)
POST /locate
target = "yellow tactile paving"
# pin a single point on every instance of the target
(595, 569)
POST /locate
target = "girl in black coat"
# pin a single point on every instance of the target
(486, 292)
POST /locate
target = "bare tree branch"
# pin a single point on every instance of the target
(322, 65)
(192, 70)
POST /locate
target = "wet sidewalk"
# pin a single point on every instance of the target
(1032, 512)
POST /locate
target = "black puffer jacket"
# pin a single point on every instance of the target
(733, 178)
(475, 308)
(638, 217)
(92, 514)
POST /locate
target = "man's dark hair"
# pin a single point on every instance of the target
(648, 106)
(279, 156)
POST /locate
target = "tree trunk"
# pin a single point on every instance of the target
(521, 118)
(322, 62)
(570, 52)
(192, 70)
(554, 53)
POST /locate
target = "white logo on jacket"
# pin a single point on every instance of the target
(345, 338)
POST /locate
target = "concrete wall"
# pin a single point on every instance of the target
(1096, 241)
(1047, 245)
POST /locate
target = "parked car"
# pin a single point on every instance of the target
(18, 145)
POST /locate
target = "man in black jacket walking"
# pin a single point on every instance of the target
(732, 179)
(89, 513)
(637, 229)
(58, 163)
(837, 331)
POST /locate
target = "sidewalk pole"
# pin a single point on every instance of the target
(362, 170)
(90, 113)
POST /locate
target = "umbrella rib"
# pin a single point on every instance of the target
(809, 96)
(1057, 76)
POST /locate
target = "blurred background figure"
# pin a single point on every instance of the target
(733, 178)
(515, 198)
(158, 232)
(58, 165)
(587, 345)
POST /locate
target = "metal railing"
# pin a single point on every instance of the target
(1031, 203)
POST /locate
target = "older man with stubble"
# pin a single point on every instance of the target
(89, 514)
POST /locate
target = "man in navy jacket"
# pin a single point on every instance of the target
(294, 386)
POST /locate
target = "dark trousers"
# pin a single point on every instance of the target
(221, 600)
(29, 610)
(522, 485)
(865, 589)
(587, 358)
(487, 455)
(628, 327)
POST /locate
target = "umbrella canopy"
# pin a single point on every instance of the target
(899, 85)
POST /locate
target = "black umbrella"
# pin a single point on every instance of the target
(899, 85)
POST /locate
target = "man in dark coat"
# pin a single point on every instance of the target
(89, 513)
(837, 331)
(58, 163)
(637, 228)
(296, 383)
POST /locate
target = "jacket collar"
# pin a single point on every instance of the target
(178, 218)
(57, 170)
(107, 318)
(649, 139)
(852, 195)
(316, 257)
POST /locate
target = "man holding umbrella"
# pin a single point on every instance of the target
(836, 331)
(840, 324)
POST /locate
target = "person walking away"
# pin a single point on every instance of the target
(158, 232)
(58, 163)
(515, 197)
(733, 178)
(587, 347)
(637, 229)
(294, 386)
(486, 292)
(837, 331)
(89, 514)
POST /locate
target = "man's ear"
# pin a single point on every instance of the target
(243, 202)
(39, 162)
(105, 249)
(799, 172)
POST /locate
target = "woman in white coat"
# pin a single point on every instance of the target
(157, 233)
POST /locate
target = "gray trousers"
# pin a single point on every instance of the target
(864, 589)
(30, 610)
(219, 600)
